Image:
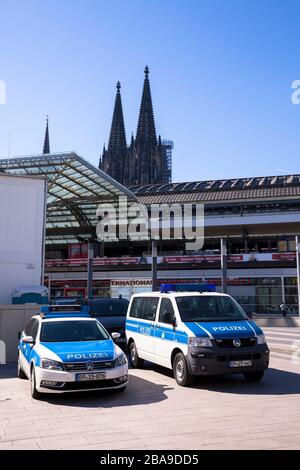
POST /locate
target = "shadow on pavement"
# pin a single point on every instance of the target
(275, 382)
(8, 371)
(138, 392)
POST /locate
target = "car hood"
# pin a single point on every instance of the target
(79, 351)
(225, 330)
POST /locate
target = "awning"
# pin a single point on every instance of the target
(75, 189)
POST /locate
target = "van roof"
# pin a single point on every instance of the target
(178, 294)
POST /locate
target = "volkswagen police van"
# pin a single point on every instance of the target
(64, 349)
(194, 333)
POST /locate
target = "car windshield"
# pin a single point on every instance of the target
(72, 330)
(197, 308)
(108, 308)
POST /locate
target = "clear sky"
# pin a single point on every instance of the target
(220, 72)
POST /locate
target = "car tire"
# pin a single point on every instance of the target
(21, 374)
(181, 371)
(34, 393)
(135, 361)
(254, 376)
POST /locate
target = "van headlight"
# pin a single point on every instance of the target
(50, 364)
(121, 360)
(261, 339)
(198, 342)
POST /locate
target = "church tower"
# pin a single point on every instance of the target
(147, 159)
(113, 159)
(46, 146)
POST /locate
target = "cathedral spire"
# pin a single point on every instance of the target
(146, 133)
(113, 159)
(117, 138)
(46, 147)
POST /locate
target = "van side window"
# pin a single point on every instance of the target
(166, 311)
(144, 308)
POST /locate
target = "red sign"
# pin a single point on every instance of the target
(284, 256)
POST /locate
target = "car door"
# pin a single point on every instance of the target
(26, 348)
(164, 332)
(23, 347)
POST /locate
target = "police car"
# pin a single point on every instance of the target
(194, 333)
(64, 349)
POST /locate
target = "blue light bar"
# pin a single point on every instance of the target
(164, 288)
(65, 311)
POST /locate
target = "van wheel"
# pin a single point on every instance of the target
(21, 374)
(34, 393)
(181, 372)
(135, 361)
(253, 376)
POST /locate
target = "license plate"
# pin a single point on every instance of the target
(91, 376)
(240, 363)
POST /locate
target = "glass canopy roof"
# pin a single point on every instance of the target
(75, 189)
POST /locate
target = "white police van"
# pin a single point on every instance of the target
(64, 349)
(194, 333)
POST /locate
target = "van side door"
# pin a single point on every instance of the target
(140, 325)
(165, 332)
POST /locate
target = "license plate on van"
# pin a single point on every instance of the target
(90, 376)
(245, 363)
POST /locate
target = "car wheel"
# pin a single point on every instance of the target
(21, 374)
(181, 372)
(135, 361)
(253, 376)
(34, 393)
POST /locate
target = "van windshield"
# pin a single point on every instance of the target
(197, 308)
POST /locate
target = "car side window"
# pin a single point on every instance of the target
(144, 308)
(28, 327)
(166, 311)
(34, 329)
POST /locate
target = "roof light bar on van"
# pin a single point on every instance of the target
(164, 288)
(65, 310)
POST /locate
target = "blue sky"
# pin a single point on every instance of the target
(220, 71)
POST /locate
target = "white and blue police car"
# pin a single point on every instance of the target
(195, 331)
(64, 349)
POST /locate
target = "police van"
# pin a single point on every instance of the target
(64, 349)
(195, 331)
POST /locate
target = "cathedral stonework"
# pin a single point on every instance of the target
(147, 159)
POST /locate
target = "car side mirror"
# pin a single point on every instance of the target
(115, 336)
(168, 317)
(28, 339)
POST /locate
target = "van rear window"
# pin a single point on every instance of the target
(144, 308)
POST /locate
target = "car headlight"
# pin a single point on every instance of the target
(121, 360)
(261, 339)
(198, 342)
(50, 364)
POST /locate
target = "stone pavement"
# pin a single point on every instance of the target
(155, 413)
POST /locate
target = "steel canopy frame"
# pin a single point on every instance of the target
(75, 189)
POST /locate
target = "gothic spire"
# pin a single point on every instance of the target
(146, 133)
(117, 138)
(46, 147)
